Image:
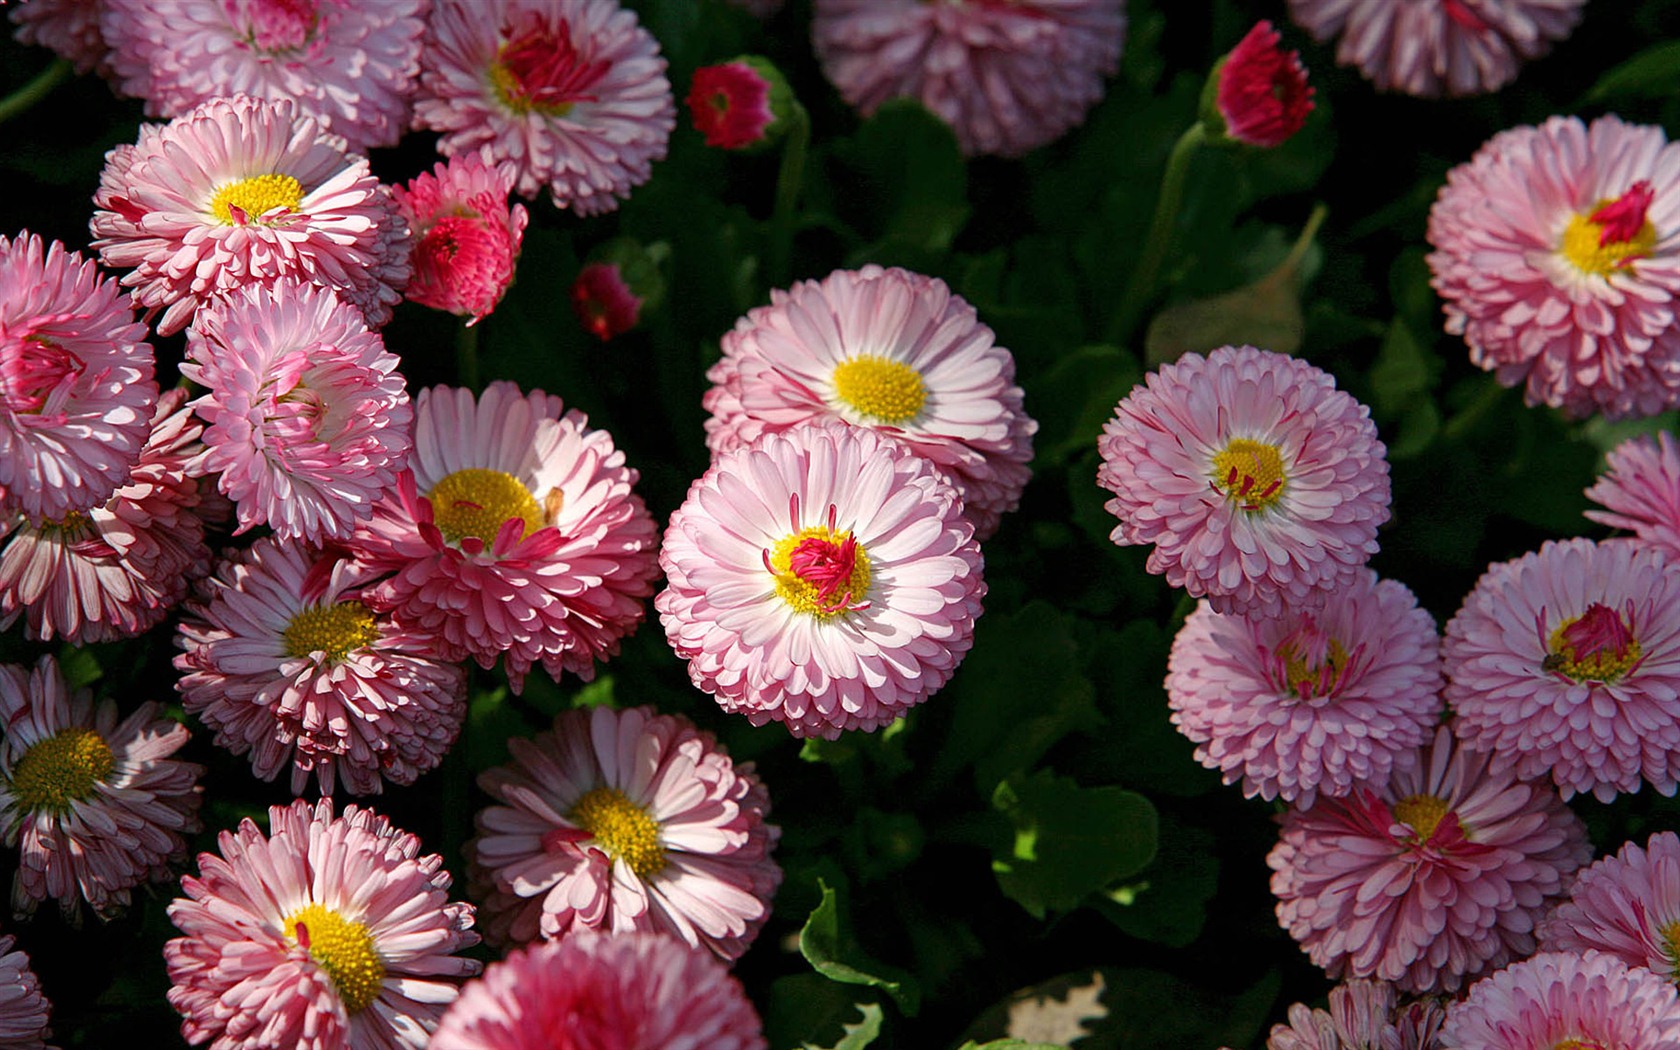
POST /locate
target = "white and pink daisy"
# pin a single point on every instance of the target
(513, 531)
(631, 991)
(1627, 905)
(625, 820)
(570, 95)
(466, 238)
(1430, 879)
(1565, 663)
(1363, 1015)
(328, 933)
(823, 577)
(1260, 485)
(1007, 77)
(240, 191)
(1309, 703)
(1641, 492)
(76, 386)
(69, 27)
(23, 1009)
(1567, 1001)
(91, 799)
(1557, 255)
(306, 416)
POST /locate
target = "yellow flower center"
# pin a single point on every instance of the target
(622, 828)
(1597, 646)
(61, 769)
(1249, 473)
(1422, 812)
(336, 630)
(344, 949)
(1671, 942)
(1582, 245)
(1581, 1044)
(819, 571)
(1310, 679)
(476, 501)
(255, 197)
(889, 391)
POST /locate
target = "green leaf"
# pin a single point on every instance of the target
(1069, 841)
(827, 944)
(902, 181)
(1168, 905)
(1008, 1044)
(857, 1035)
(1653, 73)
(1077, 395)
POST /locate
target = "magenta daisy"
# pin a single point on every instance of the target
(1259, 483)
(1565, 1001)
(567, 94)
(1363, 1015)
(91, 799)
(306, 416)
(1627, 905)
(23, 1009)
(1438, 47)
(889, 350)
(466, 238)
(1428, 880)
(1260, 92)
(625, 820)
(603, 302)
(328, 933)
(633, 991)
(1641, 492)
(1566, 663)
(241, 191)
(76, 387)
(515, 530)
(1557, 253)
(1308, 702)
(732, 103)
(823, 578)
(69, 27)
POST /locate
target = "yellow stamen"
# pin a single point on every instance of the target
(1422, 812)
(476, 501)
(336, 630)
(1301, 674)
(256, 196)
(1249, 473)
(61, 769)
(1580, 245)
(806, 595)
(344, 949)
(1605, 665)
(621, 828)
(889, 391)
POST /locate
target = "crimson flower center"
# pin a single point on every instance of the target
(1463, 16)
(820, 571)
(1597, 646)
(1249, 473)
(539, 69)
(1308, 662)
(1613, 235)
(33, 371)
(281, 25)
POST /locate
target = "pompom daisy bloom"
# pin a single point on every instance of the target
(90, 798)
(1567, 1001)
(1428, 880)
(466, 237)
(287, 662)
(1259, 483)
(328, 933)
(633, 991)
(514, 530)
(1566, 663)
(23, 1009)
(1260, 94)
(603, 301)
(1557, 253)
(76, 386)
(242, 191)
(306, 416)
(351, 65)
(1627, 905)
(1641, 492)
(889, 350)
(625, 820)
(569, 95)
(1308, 702)
(69, 27)
(1363, 1015)
(739, 104)
(1008, 78)
(823, 578)
(1431, 48)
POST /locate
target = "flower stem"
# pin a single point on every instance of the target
(466, 356)
(26, 96)
(1140, 288)
(789, 181)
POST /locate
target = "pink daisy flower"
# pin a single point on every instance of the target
(1259, 483)
(1641, 492)
(1431, 879)
(632, 991)
(23, 1009)
(466, 238)
(91, 798)
(730, 103)
(1566, 663)
(603, 301)
(1431, 48)
(116, 570)
(242, 191)
(1565, 1001)
(350, 65)
(1261, 93)
(306, 416)
(514, 530)
(567, 94)
(286, 661)
(69, 27)
(329, 933)
(1363, 1015)
(625, 820)
(1557, 252)
(76, 387)
(889, 350)
(1627, 905)
(823, 577)
(1309, 703)
(1007, 77)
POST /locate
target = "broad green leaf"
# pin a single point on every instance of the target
(1653, 73)
(1068, 841)
(857, 1035)
(1168, 903)
(1076, 396)
(901, 180)
(807, 1007)
(827, 944)
(1008, 1044)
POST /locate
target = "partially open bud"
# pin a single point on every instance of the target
(741, 104)
(466, 237)
(1258, 94)
(618, 285)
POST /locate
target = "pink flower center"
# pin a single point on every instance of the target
(1597, 646)
(1249, 473)
(273, 26)
(1308, 662)
(1463, 16)
(1613, 235)
(33, 370)
(540, 69)
(818, 570)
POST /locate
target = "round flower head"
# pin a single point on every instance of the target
(76, 387)
(567, 94)
(513, 531)
(1260, 484)
(90, 798)
(1565, 1001)
(1627, 905)
(1431, 48)
(69, 27)
(736, 104)
(329, 933)
(466, 238)
(823, 577)
(241, 191)
(625, 820)
(603, 301)
(1566, 663)
(1363, 1015)
(1007, 77)
(1308, 703)
(286, 661)
(1641, 492)
(306, 417)
(889, 350)
(23, 1009)
(350, 65)
(1259, 91)
(1557, 253)
(633, 991)
(1430, 879)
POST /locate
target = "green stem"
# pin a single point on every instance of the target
(1304, 242)
(466, 356)
(1491, 394)
(1140, 288)
(789, 181)
(26, 96)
